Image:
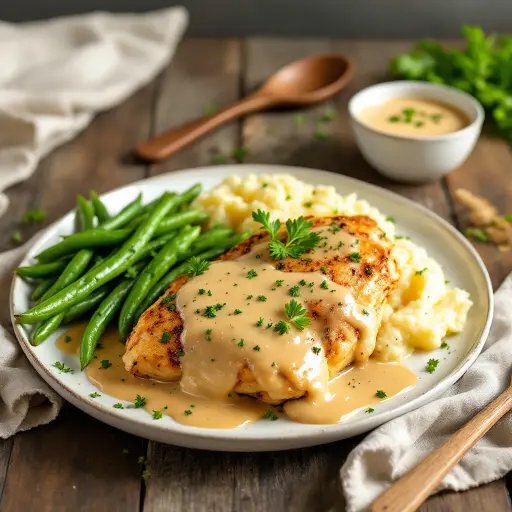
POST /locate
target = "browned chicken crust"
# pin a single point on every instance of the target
(371, 281)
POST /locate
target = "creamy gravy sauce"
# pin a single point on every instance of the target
(414, 117)
(230, 313)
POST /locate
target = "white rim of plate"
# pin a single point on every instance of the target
(328, 432)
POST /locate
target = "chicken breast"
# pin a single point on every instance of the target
(366, 270)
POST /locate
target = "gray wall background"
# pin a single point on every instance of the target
(330, 18)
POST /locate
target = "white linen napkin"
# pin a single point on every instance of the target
(397, 446)
(55, 75)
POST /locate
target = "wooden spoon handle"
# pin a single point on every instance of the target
(163, 146)
(415, 487)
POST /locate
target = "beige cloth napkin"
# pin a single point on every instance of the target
(55, 75)
(25, 400)
(394, 448)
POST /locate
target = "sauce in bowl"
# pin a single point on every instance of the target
(414, 117)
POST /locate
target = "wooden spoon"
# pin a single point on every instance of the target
(415, 487)
(301, 83)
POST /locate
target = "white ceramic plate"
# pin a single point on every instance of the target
(461, 263)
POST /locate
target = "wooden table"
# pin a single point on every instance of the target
(78, 463)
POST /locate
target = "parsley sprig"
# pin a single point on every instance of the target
(299, 240)
(196, 266)
(296, 314)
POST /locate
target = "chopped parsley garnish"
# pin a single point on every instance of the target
(17, 237)
(61, 367)
(169, 298)
(279, 283)
(157, 415)
(324, 285)
(393, 119)
(445, 345)
(241, 343)
(201, 291)
(282, 327)
(297, 314)
(308, 204)
(166, 337)
(140, 401)
(105, 363)
(324, 269)
(294, 291)
(368, 271)
(302, 282)
(237, 312)
(262, 298)
(316, 350)
(34, 215)
(269, 415)
(259, 323)
(210, 312)
(239, 154)
(252, 274)
(390, 219)
(477, 234)
(370, 409)
(366, 312)
(146, 473)
(94, 395)
(187, 412)
(68, 339)
(249, 297)
(119, 405)
(432, 365)
(180, 352)
(420, 272)
(299, 237)
(381, 394)
(274, 364)
(195, 266)
(355, 257)
(256, 348)
(299, 119)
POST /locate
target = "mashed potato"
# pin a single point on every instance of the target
(420, 312)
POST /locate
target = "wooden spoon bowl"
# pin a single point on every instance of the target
(301, 83)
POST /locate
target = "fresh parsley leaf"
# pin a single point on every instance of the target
(381, 394)
(264, 219)
(196, 266)
(297, 314)
(62, 368)
(34, 215)
(158, 415)
(140, 401)
(252, 274)
(432, 365)
(282, 327)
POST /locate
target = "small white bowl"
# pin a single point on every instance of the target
(408, 158)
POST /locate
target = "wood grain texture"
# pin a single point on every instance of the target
(76, 463)
(204, 73)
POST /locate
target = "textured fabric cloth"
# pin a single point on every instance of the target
(25, 399)
(394, 448)
(55, 75)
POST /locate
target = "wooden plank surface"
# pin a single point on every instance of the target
(82, 459)
(76, 462)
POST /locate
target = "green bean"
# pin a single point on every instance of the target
(42, 269)
(189, 195)
(85, 213)
(100, 320)
(127, 214)
(104, 272)
(178, 220)
(74, 269)
(48, 327)
(90, 302)
(210, 254)
(87, 239)
(208, 240)
(100, 209)
(41, 288)
(156, 269)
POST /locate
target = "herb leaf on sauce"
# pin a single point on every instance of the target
(195, 266)
(297, 314)
(432, 365)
